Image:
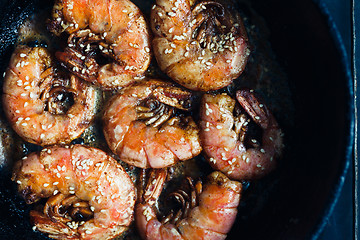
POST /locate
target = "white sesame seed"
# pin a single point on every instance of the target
(55, 183)
(67, 177)
(262, 150)
(34, 228)
(18, 182)
(46, 184)
(172, 14)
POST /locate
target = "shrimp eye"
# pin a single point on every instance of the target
(60, 100)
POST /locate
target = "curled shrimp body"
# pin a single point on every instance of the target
(41, 106)
(208, 212)
(109, 41)
(144, 125)
(224, 131)
(89, 194)
(202, 46)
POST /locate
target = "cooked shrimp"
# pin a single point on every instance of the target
(223, 135)
(207, 212)
(90, 194)
(144, 127)
(201, 46)
(42, 107)
(109, 41)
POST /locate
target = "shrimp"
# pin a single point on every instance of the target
(223, 135)
(201, 46)
(208, 212)
(145, 125)
(90, 196)
(109, 42)
(43, 107)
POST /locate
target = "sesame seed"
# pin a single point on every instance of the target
(42, 135)
(72, 192)
(92, 208)
(67, 177)
(257, 117)
(218, 126)
(18, 182)
(58, 175)
(172, 14)
(259, 165)
(88, 232)
(46, 184)
(55, 183)
(206, 130)
(34, 228)
(262, 150)
(147, 49)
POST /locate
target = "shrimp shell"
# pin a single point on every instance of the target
(222, 136)
(152, 144)
(201, 45)
(89, 174)
(121, 33)
(28, 85)
(212, 218)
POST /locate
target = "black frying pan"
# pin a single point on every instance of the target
(295, 201)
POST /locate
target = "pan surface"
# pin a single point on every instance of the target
(293, 201)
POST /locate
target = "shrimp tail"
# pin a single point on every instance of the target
(56, 230)
(257, 111)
